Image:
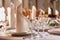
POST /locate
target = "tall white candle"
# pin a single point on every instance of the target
(33, 14)
(9, 15)
(49, 10)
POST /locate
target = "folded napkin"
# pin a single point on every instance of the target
(33, 14)
(54, 31)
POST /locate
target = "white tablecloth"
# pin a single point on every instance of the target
(46, 36)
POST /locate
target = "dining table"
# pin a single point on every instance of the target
(46, 36)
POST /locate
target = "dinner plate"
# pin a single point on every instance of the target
(13, 32)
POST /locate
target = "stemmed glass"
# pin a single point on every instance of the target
(43, 23)
(36, 28)
(32, 28)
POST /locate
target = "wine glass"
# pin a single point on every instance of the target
(43, 23)
(35, 29)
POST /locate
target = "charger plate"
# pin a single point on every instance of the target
(15, 34)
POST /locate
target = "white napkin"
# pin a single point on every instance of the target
(33, 14)
(23, 23)
(57, 30)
